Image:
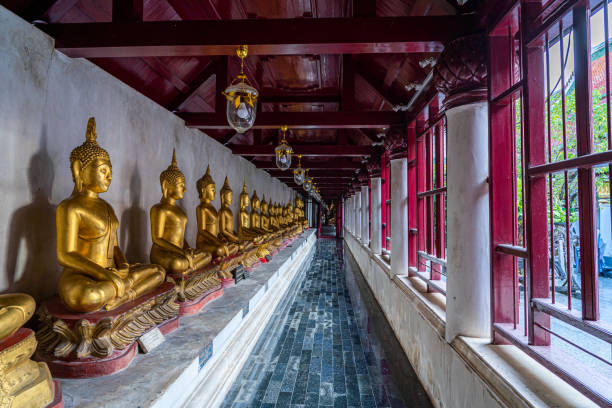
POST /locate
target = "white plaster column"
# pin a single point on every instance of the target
(376, 216)
(468, 305)
(357, 232)
(463, 81)
(351, 210)
(365, 227)
(399, 216)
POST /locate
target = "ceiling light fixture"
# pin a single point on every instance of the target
(241, 96)
(283, 152)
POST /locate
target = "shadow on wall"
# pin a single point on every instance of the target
(31, 261)
(134, 223)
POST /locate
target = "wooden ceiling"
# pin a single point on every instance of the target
(330, 69)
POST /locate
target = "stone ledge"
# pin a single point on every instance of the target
(509, 375)
(168, 375)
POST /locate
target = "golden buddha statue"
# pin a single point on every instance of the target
(226, 226)
(245, 232)
(23, 382)
(168, 222)
(265, 216)
(15, 310)
(266, 226)
(256, 218)
(272, 217)
(209, 237)
(96, 273)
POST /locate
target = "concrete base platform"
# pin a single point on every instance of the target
(197, 364)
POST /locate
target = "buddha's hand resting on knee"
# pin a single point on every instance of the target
(115, 278)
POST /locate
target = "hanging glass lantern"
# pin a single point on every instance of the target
(298, 173)
(307, 182)
(241, 98)
(283, 152)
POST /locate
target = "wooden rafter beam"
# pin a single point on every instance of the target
(300, 120)
(347, 174)
(304, 150)
(299, 36)
(194, 85)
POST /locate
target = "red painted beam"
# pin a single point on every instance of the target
(300, 120)
(322, 180)
(304, 150)
(348, 174)
(363, 35)
(331, 164)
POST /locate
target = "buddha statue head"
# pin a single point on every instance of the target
(255, 201)
(206, 187)
(226, 194)
(90, 164)
(172, 181)
(244, 197)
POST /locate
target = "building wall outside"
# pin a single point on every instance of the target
(46, 99)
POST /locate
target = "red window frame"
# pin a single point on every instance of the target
(517, 70)
(385, 174)
(427, 170)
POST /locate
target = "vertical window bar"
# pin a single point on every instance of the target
(586, 180)
(515, 280)
(550, 177)
(566, 189)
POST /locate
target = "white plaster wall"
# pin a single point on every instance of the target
(45, 101)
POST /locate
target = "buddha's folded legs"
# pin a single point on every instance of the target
(201, 259)
(170, 261)
(146, 278)
(84, 294)
(15, 310)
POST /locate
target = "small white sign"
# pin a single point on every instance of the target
(150, 340)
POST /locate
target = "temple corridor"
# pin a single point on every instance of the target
(319, 349)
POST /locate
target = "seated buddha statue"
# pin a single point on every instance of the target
(226, 219)
(168, 222)
(15, 310)
(24, 383)
(96, 273)
(266, 225)
(256, 218)
(209, 238)
(272, 217)
(245, 232)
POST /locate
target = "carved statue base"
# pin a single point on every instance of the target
(23, 382)
(93, 344)
(197, 288)
(229, 263)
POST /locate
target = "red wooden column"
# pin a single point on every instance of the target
(461, 75)
(505, 292)
(412, 198)
(536, 222)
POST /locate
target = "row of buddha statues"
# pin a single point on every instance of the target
(97, 277)
(96, 272)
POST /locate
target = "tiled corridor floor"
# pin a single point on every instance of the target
(311, 353)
